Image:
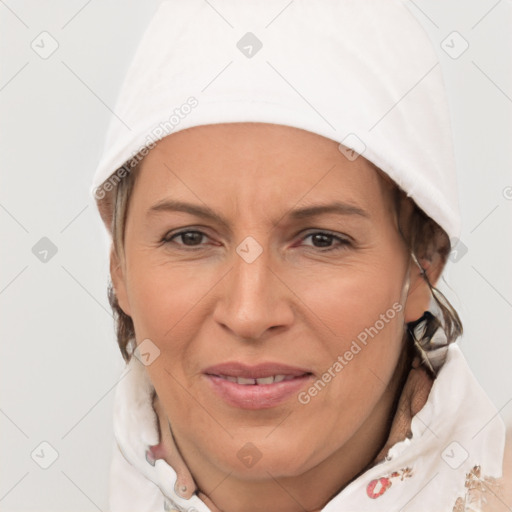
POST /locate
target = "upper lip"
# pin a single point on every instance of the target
(259, 371)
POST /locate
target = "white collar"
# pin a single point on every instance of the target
(457, 430)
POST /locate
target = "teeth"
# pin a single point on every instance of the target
(265, 380)
(242, 380)
(261, 382)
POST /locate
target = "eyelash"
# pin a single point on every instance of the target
(344, 243)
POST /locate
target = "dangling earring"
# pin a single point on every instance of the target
(427, 333)
(430, 341)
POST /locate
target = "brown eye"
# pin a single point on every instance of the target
(188, 238)
(322, 239)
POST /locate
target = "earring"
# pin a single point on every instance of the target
(430, 341)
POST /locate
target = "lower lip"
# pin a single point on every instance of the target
(256, 396)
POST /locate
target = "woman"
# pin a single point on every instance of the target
(288, 351)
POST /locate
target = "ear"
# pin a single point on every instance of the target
(118, 276)
(419, 295)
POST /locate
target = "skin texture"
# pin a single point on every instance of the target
(203, 304)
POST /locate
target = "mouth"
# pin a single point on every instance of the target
(256, 387)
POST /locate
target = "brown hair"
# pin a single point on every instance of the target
(424, 238)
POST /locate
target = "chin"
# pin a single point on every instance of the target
(284, 456)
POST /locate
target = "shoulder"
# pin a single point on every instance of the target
(499, 497)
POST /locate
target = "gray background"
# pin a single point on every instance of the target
(59, 359)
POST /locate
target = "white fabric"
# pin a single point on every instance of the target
(361, 72)
(457, 411)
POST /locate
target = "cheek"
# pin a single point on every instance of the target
(363, 312)
(354, 298)
(161, 296)
(164, 302)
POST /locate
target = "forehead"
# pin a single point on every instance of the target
(256, 164)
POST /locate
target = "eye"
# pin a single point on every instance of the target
(324, 239)
(190, 238)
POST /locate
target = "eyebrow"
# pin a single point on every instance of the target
(337, 207)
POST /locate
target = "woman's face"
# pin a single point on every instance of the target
(255, 251)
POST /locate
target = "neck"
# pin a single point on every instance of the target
(309, 491)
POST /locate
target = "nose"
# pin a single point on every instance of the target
(254, 299)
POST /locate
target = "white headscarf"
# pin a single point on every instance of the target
(361, 72)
